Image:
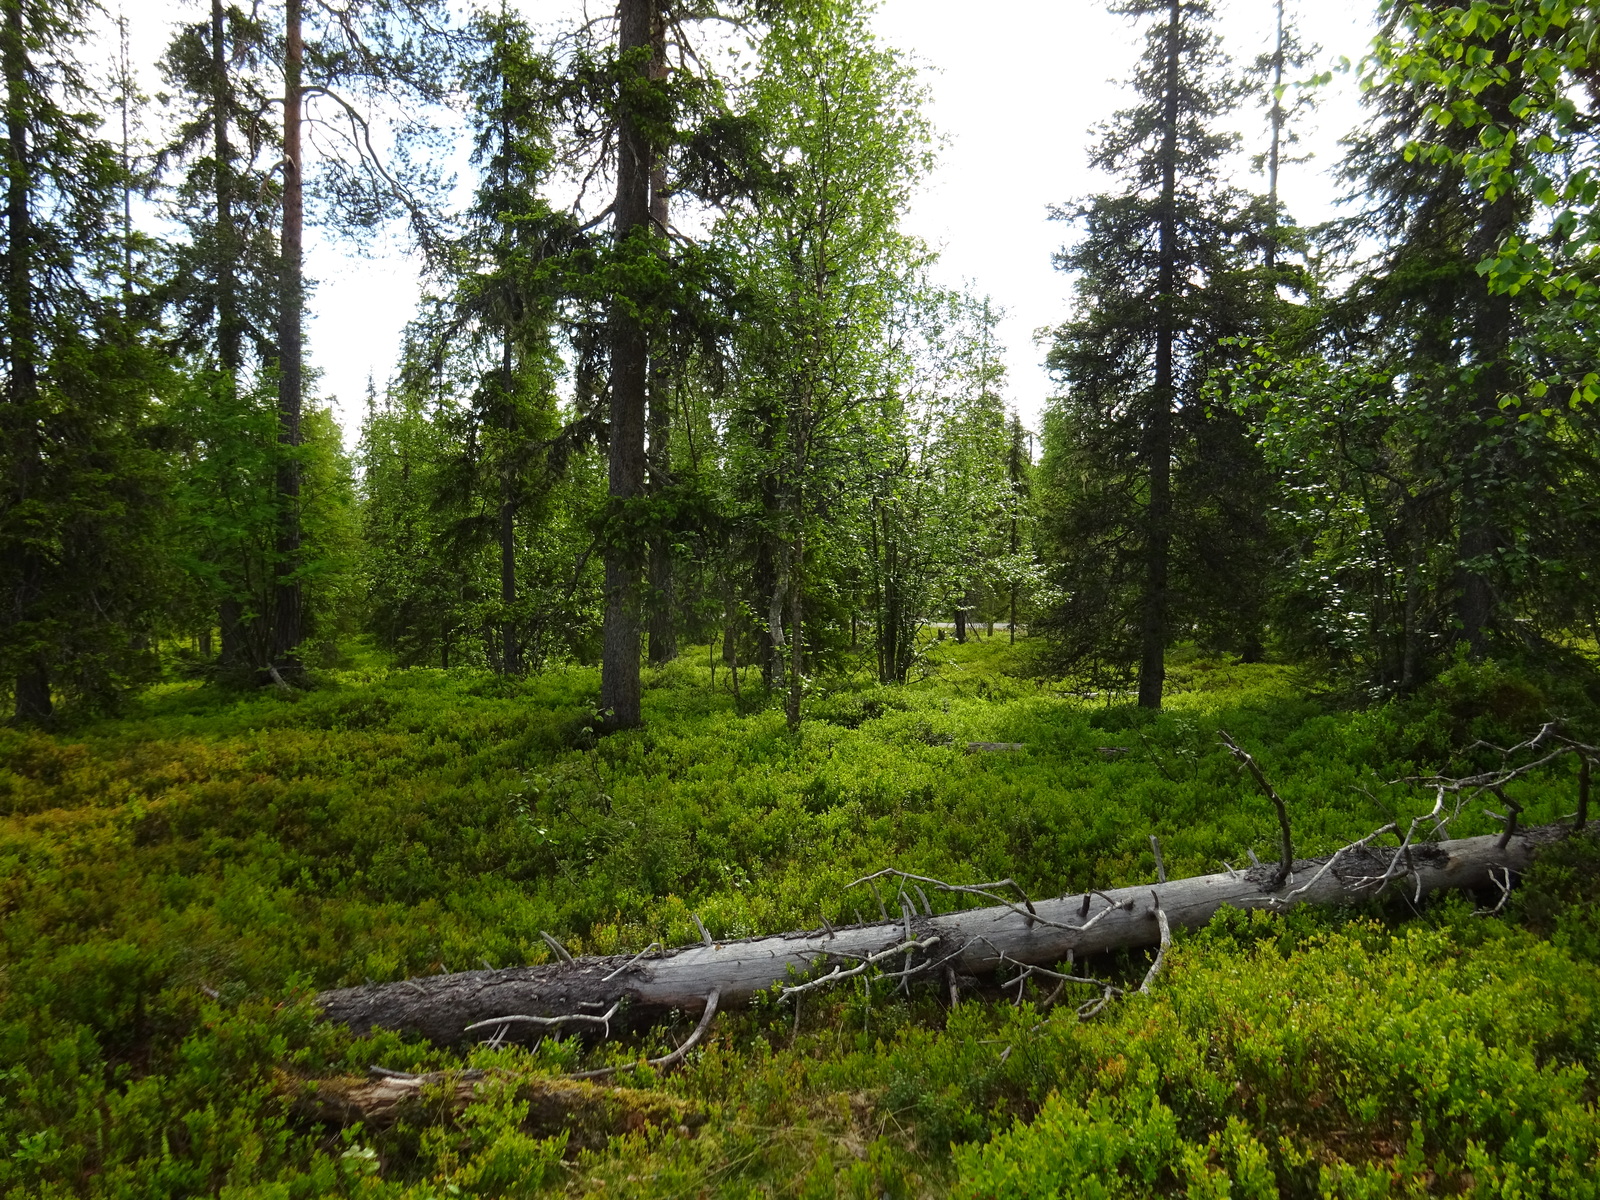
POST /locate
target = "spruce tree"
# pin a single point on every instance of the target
(1442, 497)
(80, 488)
(492, 334)
(1445, 334)
(222, 292)
(1144, 516)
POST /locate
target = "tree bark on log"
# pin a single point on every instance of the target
(591, 1113)
(599, 993)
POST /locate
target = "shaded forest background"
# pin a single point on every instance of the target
(719, 400)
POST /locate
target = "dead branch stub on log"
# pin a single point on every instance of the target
(1286, 857)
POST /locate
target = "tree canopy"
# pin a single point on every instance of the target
(682, 377)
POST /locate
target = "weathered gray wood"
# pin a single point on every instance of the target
(975, 942)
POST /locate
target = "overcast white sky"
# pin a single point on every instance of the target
(1016, 93)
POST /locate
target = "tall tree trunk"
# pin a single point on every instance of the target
(730, 636)
(510, 646)
(663, 628)
(235, 639)
(791, 708)
(235, 648)
(663, 631)
(1157, 442)
(1492, 320)
(630, 352)
(230, 329)
(796, 564)
(32, 697)
(1011, 616)
(1410, 633)
(288, 600)
(775, 612)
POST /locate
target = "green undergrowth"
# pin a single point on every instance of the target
(175, 883)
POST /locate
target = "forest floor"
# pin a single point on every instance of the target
(177, 882)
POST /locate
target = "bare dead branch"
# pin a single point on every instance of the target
(560, 951)
(1334, 858)
(631, 962)
(1548, 740)
(1150, 749)
(1503, 882)
(863, 965)
(667, 1061)
(1093, 1008)
(603, 1021)
(1513, 811)
(1286, 860)
(1161, 952)
(985, 890)
(597, 218)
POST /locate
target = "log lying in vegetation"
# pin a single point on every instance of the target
(596, 994)
(590, 1113)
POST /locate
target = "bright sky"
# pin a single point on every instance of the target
(1016, 95)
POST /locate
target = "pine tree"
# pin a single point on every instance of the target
(664, 132)
(633, 231)
(352, 67)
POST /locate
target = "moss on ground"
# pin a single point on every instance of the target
(174, 883)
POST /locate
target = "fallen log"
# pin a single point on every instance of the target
(595, 994)
(589, 1113)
